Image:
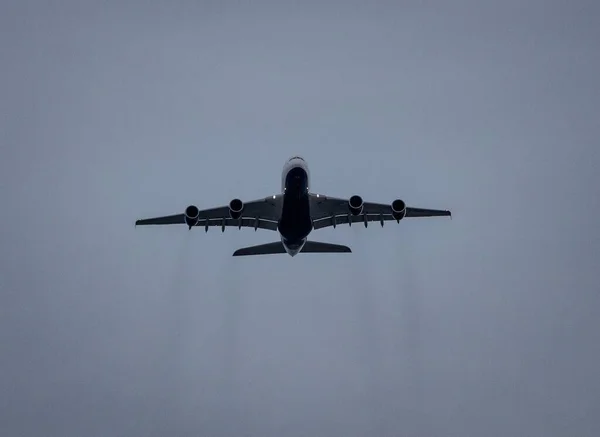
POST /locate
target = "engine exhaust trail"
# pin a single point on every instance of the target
(369, 352)
(180, 289)
(409, 344)
(230, 280)
(176, 320)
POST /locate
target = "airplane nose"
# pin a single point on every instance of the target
(296, 177)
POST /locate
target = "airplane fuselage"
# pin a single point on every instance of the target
(295, 223)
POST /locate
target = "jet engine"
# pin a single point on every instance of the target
(192, 214)
(398, 209)
(355, 205)
(236, 206)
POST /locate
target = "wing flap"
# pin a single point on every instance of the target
(244, 222)
(345, 219)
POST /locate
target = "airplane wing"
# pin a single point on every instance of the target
(331, 211)
(257, 214)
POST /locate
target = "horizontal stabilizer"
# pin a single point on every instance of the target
(277, 247)
(318, 247)
(261, 249)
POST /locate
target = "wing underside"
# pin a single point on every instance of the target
(329, 211)
(258, 214)
(223, 222)
(349, 219)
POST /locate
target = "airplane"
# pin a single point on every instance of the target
(295, 212)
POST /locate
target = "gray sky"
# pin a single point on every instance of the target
(484, 325)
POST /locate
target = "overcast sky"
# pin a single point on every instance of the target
(486, 324)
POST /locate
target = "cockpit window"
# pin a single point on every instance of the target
(296, 157)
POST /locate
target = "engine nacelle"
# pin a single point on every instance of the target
(192, 214)
(398, 209)
(236, 206)
(355, 205)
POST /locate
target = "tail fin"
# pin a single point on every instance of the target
(277, 247)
